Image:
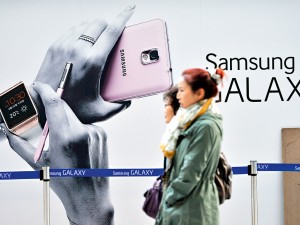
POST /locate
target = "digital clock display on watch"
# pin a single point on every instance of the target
(16, 106)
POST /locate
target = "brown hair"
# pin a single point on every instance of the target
(171, 94)
(199, 78)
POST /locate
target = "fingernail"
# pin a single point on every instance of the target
(130, 7)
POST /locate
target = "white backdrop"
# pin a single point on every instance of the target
(220, 30)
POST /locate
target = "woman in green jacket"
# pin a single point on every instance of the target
(192, 143)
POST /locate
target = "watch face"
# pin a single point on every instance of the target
(16, 106)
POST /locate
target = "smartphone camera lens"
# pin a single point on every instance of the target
(150, 56)
(154, 55)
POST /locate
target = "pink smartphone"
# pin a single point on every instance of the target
(139, 64)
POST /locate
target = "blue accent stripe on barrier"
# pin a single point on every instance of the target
(283, 167)
(240, 170)
(19, 175)
(105, 172)
(278, 167)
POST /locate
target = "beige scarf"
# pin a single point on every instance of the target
(181, 121)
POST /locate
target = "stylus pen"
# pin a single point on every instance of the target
(45, 132)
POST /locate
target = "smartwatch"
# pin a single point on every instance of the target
(17, 109)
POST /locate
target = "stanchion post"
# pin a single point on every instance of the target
(45, 177)
(252, 171)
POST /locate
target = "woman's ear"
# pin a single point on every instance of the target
(200, 93)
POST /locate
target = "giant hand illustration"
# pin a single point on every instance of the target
(71, 145)
(88, 58)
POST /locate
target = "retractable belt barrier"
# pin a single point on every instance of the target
(46, 173)
(60, 173)
(268, 167)
(145, 172)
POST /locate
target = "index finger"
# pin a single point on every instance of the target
(112, 32)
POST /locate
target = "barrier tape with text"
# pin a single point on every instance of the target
(56, 173)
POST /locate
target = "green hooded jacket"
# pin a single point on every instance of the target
(191, 197)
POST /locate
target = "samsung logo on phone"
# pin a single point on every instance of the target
(123, 62)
